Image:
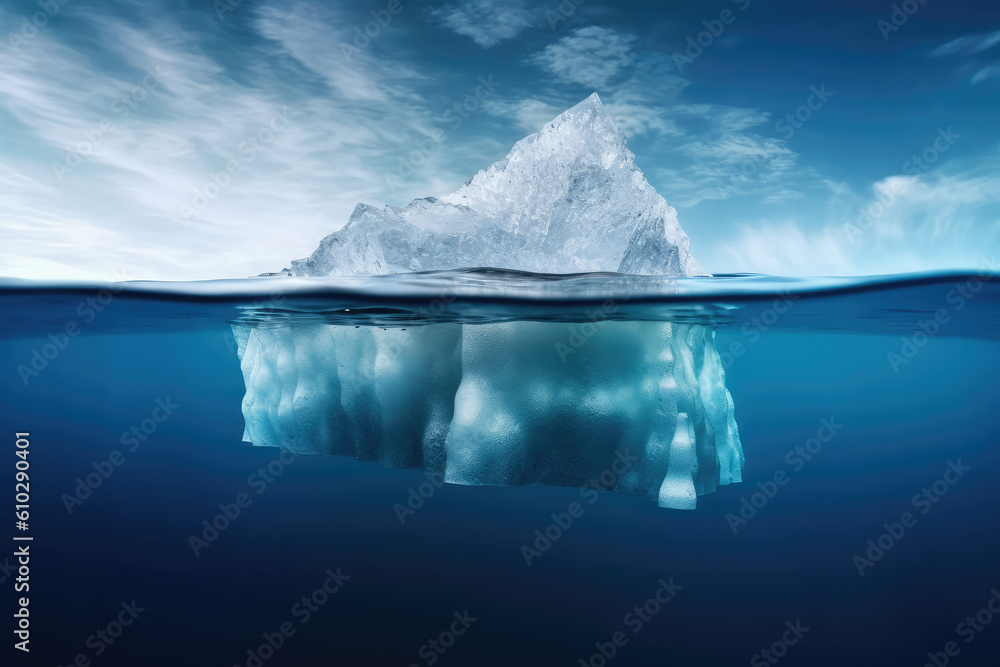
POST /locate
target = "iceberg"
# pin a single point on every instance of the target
(567, 199)
(514, 402)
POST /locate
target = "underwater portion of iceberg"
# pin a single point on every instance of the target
(502, 403)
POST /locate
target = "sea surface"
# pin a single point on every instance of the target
(875, 544)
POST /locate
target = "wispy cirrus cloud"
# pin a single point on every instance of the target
(591, 56)
(714, 151)
(724, 162)
(528, 112)
(784, 247)
(353, 121)
(985, 73)
(126, 203)
(968, 44)
(902, 223)
(727, 165)
(488, 22)
(971, 45)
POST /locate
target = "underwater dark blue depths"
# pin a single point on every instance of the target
(790, 565)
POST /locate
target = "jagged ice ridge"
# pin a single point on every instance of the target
(567, 199)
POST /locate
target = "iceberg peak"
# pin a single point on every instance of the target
(586, 118)
(566, 199)
(579, 112)
(581, 141)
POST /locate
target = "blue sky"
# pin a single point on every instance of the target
(190, 140)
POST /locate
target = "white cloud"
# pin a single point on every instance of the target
(945, 218)
(353, 120)
(309, 39)
(781, 196)
(731, 151)
(488, 22)
(591, 56)
(985, 73)
(529, 113)
(724, 160)
(725, 119)
(640, 103)
(932, 208)
(784, 248)
(713, 150)
(121, 207)
(968, 44)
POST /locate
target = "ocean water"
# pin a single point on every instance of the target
(866, 530)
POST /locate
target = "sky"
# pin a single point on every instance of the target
(196, 140)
